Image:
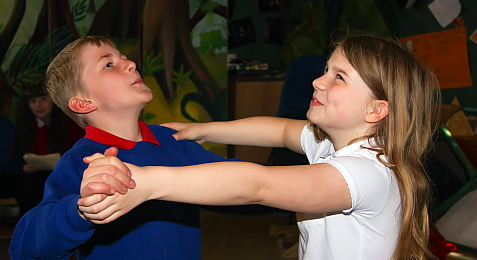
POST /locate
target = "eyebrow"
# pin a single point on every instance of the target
(108, 55)
(340, 71)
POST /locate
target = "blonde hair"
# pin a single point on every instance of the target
(412, 91)
(64, 75)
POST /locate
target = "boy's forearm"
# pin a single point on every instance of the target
(60, 239)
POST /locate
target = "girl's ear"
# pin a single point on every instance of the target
(378, 111)
(81, 106)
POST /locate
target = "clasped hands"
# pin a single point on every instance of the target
(108, 190)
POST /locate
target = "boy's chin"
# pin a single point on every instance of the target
(150, 99)
(147, 102)
(147, 95)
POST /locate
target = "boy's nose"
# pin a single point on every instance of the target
(131, 65)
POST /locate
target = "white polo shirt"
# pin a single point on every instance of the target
(370, 228)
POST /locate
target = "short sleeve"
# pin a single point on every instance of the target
(370, 183)
(315, 151)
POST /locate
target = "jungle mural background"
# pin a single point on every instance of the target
(179, 47)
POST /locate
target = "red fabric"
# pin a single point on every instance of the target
(41, 140)
(439, 246)
(106, 138)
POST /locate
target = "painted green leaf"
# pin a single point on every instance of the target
(152, 63)
(180, 77)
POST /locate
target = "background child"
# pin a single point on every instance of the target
(364, 195)
(92, 82)
(42, 129)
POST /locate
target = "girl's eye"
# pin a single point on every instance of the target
(109, 65)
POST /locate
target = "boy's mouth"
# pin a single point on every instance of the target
(138, 81)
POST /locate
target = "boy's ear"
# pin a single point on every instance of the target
(81, 106)
(379, 110)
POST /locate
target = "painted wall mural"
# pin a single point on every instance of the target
(179, 46)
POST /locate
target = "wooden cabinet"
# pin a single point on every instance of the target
(253, 96)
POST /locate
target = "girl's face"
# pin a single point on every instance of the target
(340, 100)
(41, 107)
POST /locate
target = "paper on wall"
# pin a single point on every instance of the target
(445, 52)
(445, 11)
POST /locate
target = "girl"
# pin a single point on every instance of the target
(42, 129)
(364, 194)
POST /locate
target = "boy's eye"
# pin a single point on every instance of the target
(109, 65)
(338, 76)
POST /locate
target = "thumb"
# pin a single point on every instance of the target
(177, 136)
(111, 151)
(182, 135)
(90, 158)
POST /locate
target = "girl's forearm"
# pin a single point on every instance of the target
(227, 183)
(255, 131)
(314, 188)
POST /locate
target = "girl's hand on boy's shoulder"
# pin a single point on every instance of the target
(186, 131)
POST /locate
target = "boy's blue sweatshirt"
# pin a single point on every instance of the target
(153, 230)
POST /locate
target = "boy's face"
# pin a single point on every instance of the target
(111, 80)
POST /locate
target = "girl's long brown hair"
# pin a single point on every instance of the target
(412, 91)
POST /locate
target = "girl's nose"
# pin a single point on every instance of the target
(319, 83)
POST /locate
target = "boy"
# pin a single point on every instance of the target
(101, 90)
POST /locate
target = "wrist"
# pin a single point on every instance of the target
(205, 130)
(209, 134)
(155, 182)
(146, 182)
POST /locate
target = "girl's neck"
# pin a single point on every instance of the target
(342, 140)
(43, 121)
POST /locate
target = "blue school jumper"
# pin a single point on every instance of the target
(153, 230)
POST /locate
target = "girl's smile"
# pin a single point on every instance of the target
(315, 102)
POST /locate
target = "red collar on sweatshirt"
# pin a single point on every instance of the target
(106, 138)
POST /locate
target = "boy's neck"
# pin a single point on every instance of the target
(126, 128)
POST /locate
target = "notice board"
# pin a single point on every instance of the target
(445, 52)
